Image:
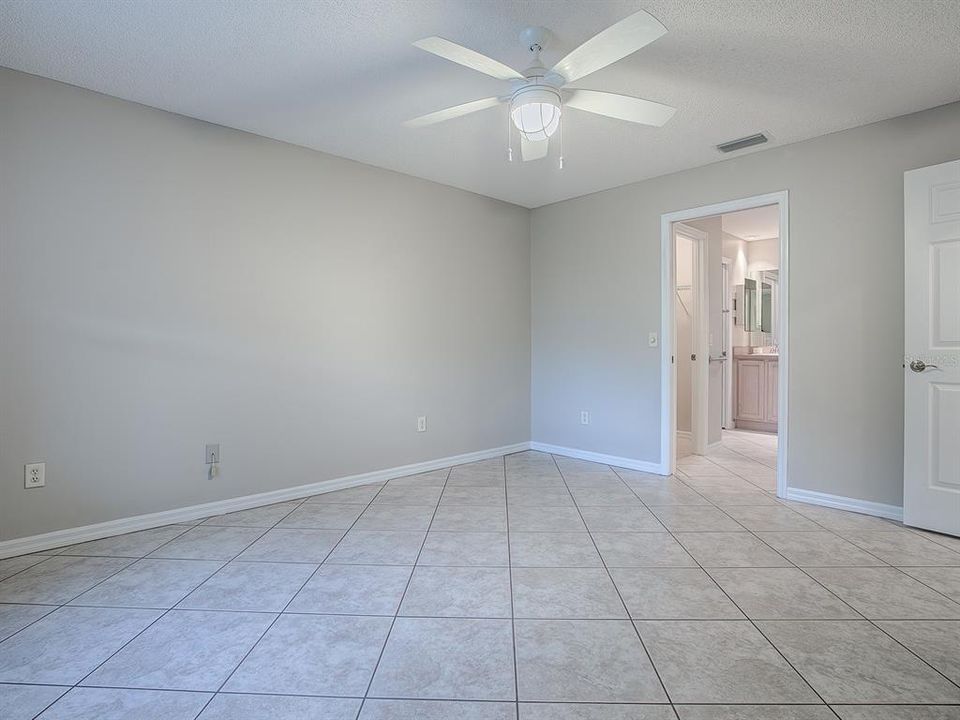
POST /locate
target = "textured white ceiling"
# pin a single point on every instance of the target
(340, 76)
(755, 224)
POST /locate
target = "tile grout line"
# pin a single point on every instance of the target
(553, 532)
(292, 597)
(805, 573)
(406, 587)
(748, 619)
(70, 688)
(168, 610)
(603, 562)
(56, 607)
(899, 568)
(480, 700)
(710, 503)
(921, 582)
(801, 569)
(513, 612)
(492, 702)
(734, 473)
(713, 462)
(586, 618)
(885, 565)
(744, 455)
(919, 532)
(873, 623)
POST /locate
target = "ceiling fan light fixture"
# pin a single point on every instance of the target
(534, 101)
(535, 111)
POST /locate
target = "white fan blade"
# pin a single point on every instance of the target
(453, 112)
(468, 58)
(608, 46)
(621, 107)
(533, 149)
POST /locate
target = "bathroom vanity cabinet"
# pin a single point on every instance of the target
(756, 393)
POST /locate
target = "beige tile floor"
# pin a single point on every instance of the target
(531, 587)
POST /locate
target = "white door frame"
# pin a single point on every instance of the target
(668, 415)
(726, 346)
(700, 378)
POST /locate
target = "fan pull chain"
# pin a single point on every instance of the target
(509, 138)
(561, 142)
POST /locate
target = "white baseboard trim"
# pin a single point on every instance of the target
(891, 512)
(622, 462)
(72, 536)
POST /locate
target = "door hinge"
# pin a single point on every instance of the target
(693, 357)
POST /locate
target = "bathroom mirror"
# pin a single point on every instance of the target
(766, 307)
(762, 288)
(750, 308)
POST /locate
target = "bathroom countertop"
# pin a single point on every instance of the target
(757, 356)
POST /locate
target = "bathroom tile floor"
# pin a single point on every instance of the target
(529, 587)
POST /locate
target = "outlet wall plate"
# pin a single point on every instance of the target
(584, 417)
(34, 475)
(422, 423)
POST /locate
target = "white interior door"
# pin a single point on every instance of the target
(698, 350)
(931, 467)
(725, 350)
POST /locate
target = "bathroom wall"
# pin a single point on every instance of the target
(763, 254)
(735, 249)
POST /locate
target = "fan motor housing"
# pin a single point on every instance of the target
(535, 93)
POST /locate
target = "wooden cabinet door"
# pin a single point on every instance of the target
(750, 390)
(773, 394)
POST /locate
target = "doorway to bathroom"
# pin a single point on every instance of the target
(724, 351)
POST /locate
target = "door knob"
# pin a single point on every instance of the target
(918, 366)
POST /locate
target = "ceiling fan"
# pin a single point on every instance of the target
(538, 96)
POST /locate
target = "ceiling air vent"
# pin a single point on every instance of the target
(758, 139)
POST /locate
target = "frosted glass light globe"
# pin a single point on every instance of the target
(535, 112)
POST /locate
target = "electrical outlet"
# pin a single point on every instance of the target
(422, 423)
(652, 340)
(213, 453)
(34, 475)
(584, 417)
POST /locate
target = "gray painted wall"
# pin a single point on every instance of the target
(166, 283)
(596, 295)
